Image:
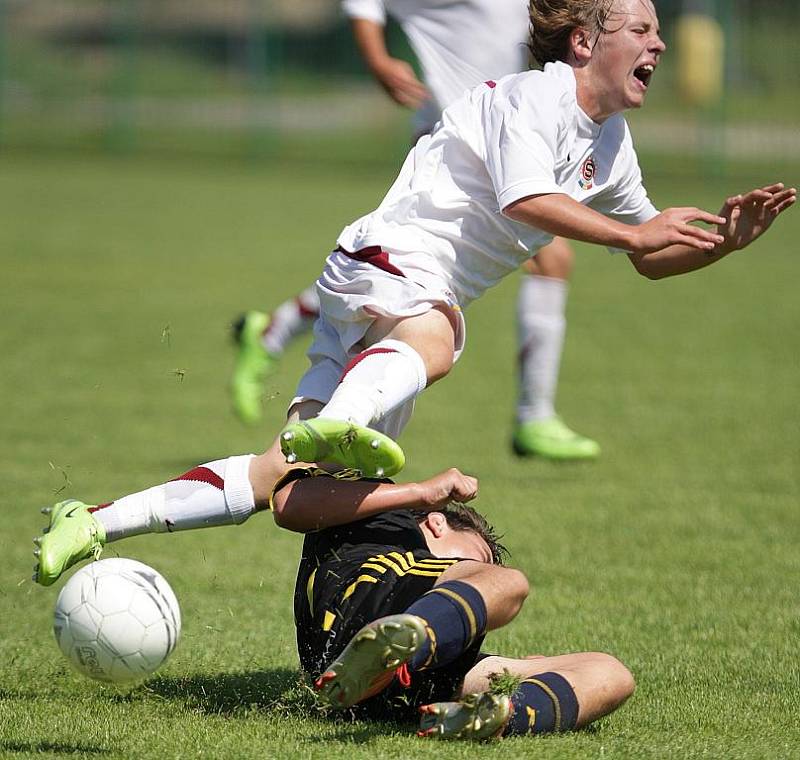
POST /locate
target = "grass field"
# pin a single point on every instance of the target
(677, 551)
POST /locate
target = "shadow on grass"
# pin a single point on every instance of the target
(278, 691)
(59, 748)
(231, 693)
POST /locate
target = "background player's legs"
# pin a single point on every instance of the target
(601, 683)
(541, 325)
(261, 340)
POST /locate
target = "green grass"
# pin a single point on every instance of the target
(677, 551)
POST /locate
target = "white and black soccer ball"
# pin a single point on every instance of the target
(117, 620)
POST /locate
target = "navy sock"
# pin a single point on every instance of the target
(543, 703)
(455, 616)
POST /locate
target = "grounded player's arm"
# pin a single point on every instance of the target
(561, 215)
(396, 76)
(322, 502)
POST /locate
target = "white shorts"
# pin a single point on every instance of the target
(352, 295)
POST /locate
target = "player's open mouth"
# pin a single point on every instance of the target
(644, 73)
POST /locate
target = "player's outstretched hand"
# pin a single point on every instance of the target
(397, 77)
(447, 486)
(673, 226)
(749, 215)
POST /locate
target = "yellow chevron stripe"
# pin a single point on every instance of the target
(327, 623)
(370, 566)
(404, 563)
(310, 591)
(428, 573)
(361, 579)
(391, 565)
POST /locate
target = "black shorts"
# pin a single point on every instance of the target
(342, 596)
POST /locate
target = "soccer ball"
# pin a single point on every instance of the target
(117, 620)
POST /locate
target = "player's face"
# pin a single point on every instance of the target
(623, 59)
(463, 544)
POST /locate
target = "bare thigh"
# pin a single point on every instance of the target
(601, 682)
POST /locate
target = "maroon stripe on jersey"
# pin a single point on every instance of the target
(374, 255)
(491, 83)
(203, 475)
(305, 312)
(363, 355)
(99, 506)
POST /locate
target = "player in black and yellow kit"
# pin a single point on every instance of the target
(391, 610)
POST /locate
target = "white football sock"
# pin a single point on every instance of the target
(291, 319)
(541, 325)
(380, 379)
(217, 493)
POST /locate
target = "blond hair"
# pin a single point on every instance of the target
(552, 22)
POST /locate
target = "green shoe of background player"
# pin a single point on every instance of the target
(368, 663)
(474, 716)
(253, 364)
(73, 535)
(373, 454)
(552, 439)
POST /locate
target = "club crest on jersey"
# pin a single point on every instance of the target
(586, 179)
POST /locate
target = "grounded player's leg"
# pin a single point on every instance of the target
(541, 326)
(261, 341)
(584, 685)
(216, 493)
(434, 631)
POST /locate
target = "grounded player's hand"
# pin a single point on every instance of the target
(447, 486)
(750, 215)
(400, 82)
(674, 226)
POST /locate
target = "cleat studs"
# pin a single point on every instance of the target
(287, 436)
(379, 472)
(37, 540)
(46, 530)
(291, 458)
(36, 553)
(46, 510)
(374, 443)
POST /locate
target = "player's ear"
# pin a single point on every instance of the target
(437, 524)
(581, 45)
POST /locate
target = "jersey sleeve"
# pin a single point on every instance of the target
(521, 130)
(370, 10)
(627, 201)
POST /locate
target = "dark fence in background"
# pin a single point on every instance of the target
(252, 77)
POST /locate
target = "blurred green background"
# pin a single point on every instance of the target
(253, 77)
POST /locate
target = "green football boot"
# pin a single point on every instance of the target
(474, 716)
(253, 364)
(371, 453)
(552, 439)
(73, 535)
(368, 663)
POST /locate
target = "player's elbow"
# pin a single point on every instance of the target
(644, 267)
(282, 512)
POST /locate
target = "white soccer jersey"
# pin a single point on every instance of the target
(524, 135)
(459, 43)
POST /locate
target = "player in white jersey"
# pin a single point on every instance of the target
(459, 44)
(512, 163)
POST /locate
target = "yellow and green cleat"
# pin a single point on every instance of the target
(253, 365)
(372, 454)
(552, 439)
(73, 534)
(369, 662)
(474, 716)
